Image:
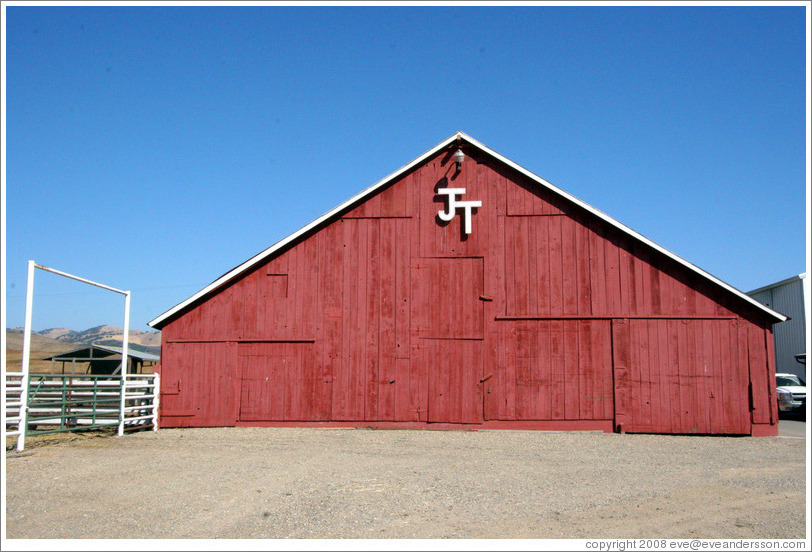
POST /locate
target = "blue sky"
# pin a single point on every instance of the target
(155, 148)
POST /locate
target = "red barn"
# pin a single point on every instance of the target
(463, 291)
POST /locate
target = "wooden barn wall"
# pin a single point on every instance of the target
(401, 317)
(686, 376)
(199, 384)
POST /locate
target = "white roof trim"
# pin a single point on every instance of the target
(225, 278)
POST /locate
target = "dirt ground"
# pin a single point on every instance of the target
(355, 483)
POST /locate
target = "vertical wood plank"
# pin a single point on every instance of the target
(372, 307)
(556, 268)
(361, 278)
(645, 375)
(654, 283)
(513, 294)
(569, 267)
(499, 400)
(672, 335)
(533, 279)
(715, 363)
(541, 255)
(744, 362)
(621, 359)
(491, 368)
(331, 240)
(402, 246)
(586, 372)
(598, 274)
(571, 390)
(649, 332)
(771, 387)
(523, 362)
(625, 279)
(545, 376)
(667, 378)
(509, 380)
(640, 272)
(737, 385)
(607, 370)
(692, 382)
(405, 406)
(387, 264)
(690, 297)
(612, 278)
(343, 381)
(501, 265)
(582, 268)
(758, 375)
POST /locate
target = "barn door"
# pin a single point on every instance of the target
(448, 300)
(448, 320)
(282, 382)
(680, 376)
(454, 387)
(199, 385)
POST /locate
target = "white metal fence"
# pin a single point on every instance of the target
(13, 390)
(141, 401)
(58, 403)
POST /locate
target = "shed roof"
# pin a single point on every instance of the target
(790, 280)
(101, 351)
(162, 319)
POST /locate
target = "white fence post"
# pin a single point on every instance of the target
(156, 400)
(29, 305)
(124, 360)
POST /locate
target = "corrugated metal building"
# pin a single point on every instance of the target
(463, 291)
(787, 297)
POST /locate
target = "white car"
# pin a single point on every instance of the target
(791, 392)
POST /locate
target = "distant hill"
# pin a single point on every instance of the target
(41, 346)
(39, 343)
(63, 339)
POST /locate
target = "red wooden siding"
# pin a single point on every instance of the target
(680, 376)
(559, 265)
(447, 298)
(551, 370)
(454, 371)
(542, 315)
(187, 399)
(282, 381)
(761, 361)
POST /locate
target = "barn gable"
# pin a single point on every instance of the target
(525, 199)
(521, 307)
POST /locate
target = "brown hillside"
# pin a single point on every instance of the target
(40, 346)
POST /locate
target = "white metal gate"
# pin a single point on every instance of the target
(137, 394)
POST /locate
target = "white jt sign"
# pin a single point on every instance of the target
(453, 203)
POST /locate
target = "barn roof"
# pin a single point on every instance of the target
(159, 321)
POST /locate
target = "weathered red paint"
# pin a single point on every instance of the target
(545, 317)
(680, 376)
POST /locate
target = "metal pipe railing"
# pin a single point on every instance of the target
(58, 403)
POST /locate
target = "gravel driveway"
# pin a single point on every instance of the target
(336, 483)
